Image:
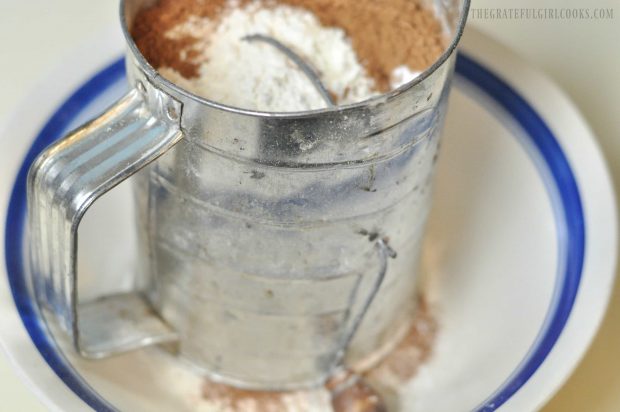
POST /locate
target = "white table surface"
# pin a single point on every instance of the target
(582, 56)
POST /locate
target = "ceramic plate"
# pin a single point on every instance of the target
(520, 252)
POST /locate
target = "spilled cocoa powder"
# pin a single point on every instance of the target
(350, 393)
(231, 398)
(385, 34)
(403, 362)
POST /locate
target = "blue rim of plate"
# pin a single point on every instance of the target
(569, 217)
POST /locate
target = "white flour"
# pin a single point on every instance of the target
(257, 76)
(402, 75)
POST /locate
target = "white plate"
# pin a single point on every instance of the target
(520, 251)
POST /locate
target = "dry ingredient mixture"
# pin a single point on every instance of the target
(359, 48)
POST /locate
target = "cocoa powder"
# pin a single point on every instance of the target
(402, 363)
(385, 33)
(231, 398)
(151, 25)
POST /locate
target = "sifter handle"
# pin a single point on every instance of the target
(63, 182)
